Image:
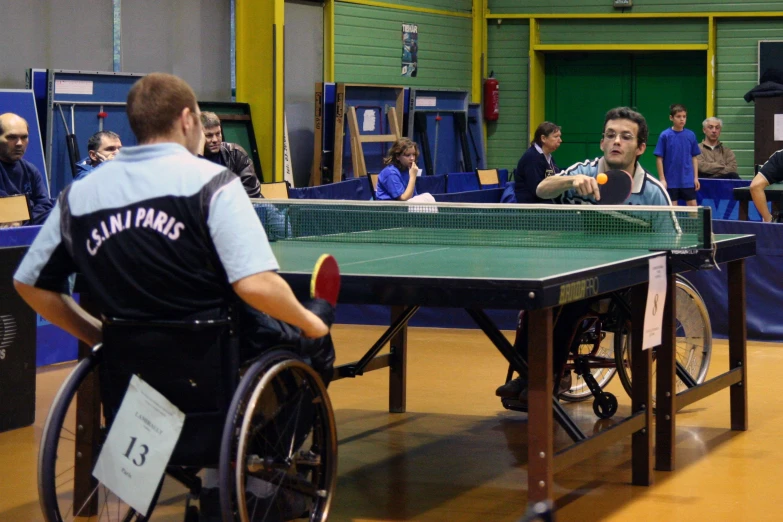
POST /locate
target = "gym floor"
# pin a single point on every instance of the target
(457, 455)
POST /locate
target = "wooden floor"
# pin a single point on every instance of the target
(457, 456)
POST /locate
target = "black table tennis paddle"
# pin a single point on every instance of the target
(615, 186)
(325, 282)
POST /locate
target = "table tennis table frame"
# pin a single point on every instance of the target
(406, 297)
(543, 408)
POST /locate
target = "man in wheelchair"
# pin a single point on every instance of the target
(624, 139)
(162, 235)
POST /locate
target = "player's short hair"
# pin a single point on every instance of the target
(674, 108)
(400, 146)
(209, 119)
(95, 140)
(626, 113)
(712, 119)
(155, 102)
(546, 128)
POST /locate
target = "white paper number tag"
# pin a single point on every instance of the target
(139, 445)
(656, 298)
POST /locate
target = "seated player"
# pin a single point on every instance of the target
(161, 234)
(624, 140)
(230, 155)
(397, 180)
(770, 172)
(101, 147)
(17, 175)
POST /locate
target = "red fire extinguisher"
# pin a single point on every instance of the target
(491, 98)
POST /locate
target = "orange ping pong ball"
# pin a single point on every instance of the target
(601, 178)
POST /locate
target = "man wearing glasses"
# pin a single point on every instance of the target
(624, 139)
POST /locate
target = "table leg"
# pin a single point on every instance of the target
(641, 364)
(665, 390)
(398, 373)
(540, 452)
(743, 210)
(738, 393)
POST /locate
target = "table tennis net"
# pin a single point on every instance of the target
(496, 225)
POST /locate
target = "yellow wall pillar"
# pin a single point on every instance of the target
(260, 76)
(479, 49)
(712, 69)
(536, 96)
(329, 41)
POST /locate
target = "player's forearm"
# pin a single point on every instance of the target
(757, 187)
(659, 168)
(553, 186)
(409, 190)
(61, 310)
(269, 293)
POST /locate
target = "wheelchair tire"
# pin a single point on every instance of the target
(694, 339)
(579, 390)
(57, 460)
(280, 397)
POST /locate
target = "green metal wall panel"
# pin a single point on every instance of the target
(462, 6)
(368, 47)
(508, 45)
(640, 6)
(737, 70)
(644, 31)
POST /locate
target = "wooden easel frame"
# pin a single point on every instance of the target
(339, 120)
(357, 139)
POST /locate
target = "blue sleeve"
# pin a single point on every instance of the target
(660, 147)
(47, 264)
(695, 150)
(238, 235)
(390, 179)
(40, 202)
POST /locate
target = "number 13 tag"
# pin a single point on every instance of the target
(139, 445)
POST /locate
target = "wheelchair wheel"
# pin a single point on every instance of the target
(694, 340)
(278, 458)
(601, 352)
(58, 457)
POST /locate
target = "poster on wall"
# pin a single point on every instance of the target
(410, 50)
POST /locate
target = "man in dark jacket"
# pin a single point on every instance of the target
(230, 155)
(17, 175)
(101, 147)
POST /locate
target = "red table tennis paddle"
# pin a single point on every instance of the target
(615, 186)
(325, 283)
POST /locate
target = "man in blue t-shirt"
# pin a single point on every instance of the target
(17, 175)
(676, 158)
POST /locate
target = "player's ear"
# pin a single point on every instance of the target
(640, 149)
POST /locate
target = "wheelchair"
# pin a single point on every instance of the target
(602, 342)
(603, 349)
(266, 421)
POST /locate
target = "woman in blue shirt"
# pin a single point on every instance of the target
(397, 180)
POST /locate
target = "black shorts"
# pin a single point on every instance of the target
(686, 194)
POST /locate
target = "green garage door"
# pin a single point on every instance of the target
(581, 87)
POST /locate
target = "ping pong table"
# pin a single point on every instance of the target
(522, 257)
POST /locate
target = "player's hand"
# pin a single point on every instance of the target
(414, 170)
(663, 182)
(316, 329)
(696, 184)
(586, 186)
